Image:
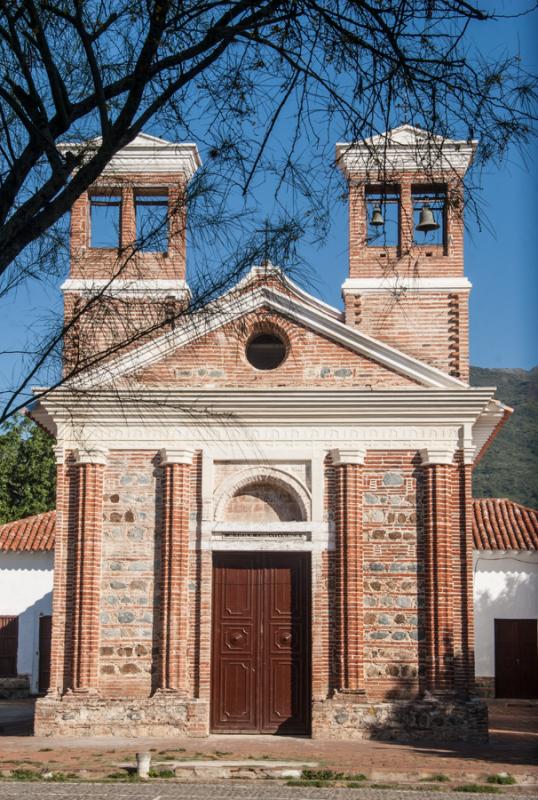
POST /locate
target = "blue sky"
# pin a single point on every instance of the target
(501, 253)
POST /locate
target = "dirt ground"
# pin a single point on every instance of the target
(513, 748)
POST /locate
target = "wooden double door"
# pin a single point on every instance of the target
(260, 680)
(516, 658)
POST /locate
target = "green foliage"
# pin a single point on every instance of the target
(502, 778)
(22, 774)
(510, 466)
(321, 775)
(27, 470)
(476, 788)
(162, 773)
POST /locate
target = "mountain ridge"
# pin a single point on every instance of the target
(510, 466)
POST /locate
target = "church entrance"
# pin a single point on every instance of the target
(260, 681)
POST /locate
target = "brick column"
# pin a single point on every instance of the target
(438, 472)
(350, 570)
(85, 600)
(464, 669)
(174, 613)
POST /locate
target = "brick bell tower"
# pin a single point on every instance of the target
(406, 283)
(128, 246)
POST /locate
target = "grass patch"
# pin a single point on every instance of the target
(437, 778)
(45, 749)
(162, 773)
(502, 778)
(123, 776)
(321, 775)
(476, 788)
(21, 774)
(318, 784)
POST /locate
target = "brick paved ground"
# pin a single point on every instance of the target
(233, 791)
(513, 748)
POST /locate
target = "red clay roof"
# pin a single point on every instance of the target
(500, 524)
(29, 534)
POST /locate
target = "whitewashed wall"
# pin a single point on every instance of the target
(505, 587)
(26, 592)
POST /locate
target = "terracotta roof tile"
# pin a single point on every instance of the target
(29, 534)
(500, 524)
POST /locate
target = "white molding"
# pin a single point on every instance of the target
(176, 455)
(95, 455)
(144, 155)
(404, 149)
(344, 455)
(89, 287)
(258, 272)
(228, 309)
(396, 284)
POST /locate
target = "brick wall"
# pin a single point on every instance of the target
(124, 262)
(218, 359)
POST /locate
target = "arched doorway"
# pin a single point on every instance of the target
(261, 621)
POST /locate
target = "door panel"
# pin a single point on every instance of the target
(9, 641)
(45, 633)
(516, 658)
(235, 647)
(261, 651)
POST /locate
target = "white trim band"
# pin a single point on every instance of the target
(126, 288)
(398, 284)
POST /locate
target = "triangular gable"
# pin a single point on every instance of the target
(296, 305)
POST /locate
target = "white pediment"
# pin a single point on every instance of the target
(145, 154)
(405, 148)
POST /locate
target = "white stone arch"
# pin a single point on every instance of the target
(262, 474)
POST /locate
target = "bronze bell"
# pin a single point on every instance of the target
(377, 220)
(426, 221)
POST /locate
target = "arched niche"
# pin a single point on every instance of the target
(262, 496)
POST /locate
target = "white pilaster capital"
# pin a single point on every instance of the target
(467, 445)
(176, 455)
(351, 455)
(442, 454)
(91, 455)
(59, 454)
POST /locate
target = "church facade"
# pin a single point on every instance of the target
(264, 511)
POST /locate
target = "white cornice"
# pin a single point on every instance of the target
(394, 284)
(228, 408)
(231, 308)
(159, 289)
(144, 155)
(404, 149)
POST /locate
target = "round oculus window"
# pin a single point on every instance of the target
(266, 351)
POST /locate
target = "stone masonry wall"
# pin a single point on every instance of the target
(130, 561)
